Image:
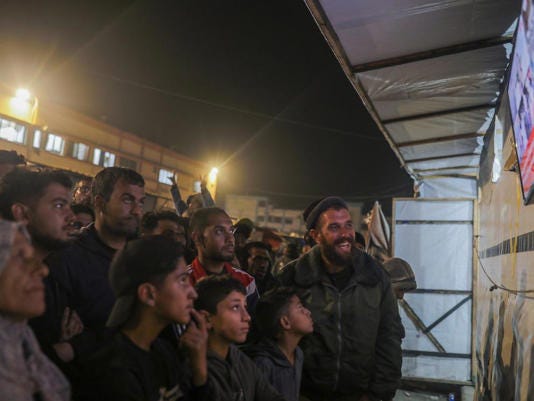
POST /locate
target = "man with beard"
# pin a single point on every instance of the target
(213, 235)
(41, 201)
(82, 269)
(354, 353)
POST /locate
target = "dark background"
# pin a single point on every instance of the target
(249, 86)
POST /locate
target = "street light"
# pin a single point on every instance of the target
(212, 177)
(23, 105)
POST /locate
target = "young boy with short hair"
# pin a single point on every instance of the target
(151, 283)
(233, 376)
(282, 321)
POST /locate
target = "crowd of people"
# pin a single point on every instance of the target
(100, 300)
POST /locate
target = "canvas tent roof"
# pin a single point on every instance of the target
(428, 72)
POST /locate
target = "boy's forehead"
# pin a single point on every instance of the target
(235, 295)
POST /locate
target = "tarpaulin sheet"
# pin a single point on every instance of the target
(420, 210)
(472, 172)
(377, 30)
(467, 122)
(449, 148)
(448, 188)
(438, 84)
(471, 160)
(435, 238)
(419, 244)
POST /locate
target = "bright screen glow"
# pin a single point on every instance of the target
(521, 94)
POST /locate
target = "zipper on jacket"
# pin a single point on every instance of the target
(339, 331)
(339, 340)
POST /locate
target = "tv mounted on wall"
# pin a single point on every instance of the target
(521, 95)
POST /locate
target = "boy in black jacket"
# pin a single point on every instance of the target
(152, 288)
(282, 321)
(233, 376)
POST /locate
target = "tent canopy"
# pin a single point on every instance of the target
(429, 73)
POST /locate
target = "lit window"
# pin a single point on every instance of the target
(96, 156)
(104, 159)
(55, 144)
(80, 151)
(164, 175)
(109, 159)
(37, 139)
(11, 131)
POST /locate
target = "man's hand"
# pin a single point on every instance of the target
(203, 182)
(173, 179)
(71, 324)
(195, 341)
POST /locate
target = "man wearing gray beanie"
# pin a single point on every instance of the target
(354, 353)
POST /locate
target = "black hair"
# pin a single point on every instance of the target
(257, 244)
(270, 308)
(11, 157)
(81, 208)
(27, 186)
(150, 219)
(201, 218)
(104, 182)
(214, 289)
(147, 259)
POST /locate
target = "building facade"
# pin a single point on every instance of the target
(263, 213)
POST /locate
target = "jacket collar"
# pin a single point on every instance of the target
(91, 241)
(310, 270)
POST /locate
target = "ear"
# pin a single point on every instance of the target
(20, 213)
(285, 323)
(99, 202)
(207, 317)
(146, 293)
(315, 234)
(198, 238)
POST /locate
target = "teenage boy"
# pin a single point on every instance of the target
(283, 321)
(150, 280)
(233, 376)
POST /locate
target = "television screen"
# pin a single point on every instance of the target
(521, 95)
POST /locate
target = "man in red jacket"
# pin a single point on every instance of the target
(213, 234)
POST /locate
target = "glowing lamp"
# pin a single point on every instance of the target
(212, 177)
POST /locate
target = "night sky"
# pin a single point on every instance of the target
(250, 86)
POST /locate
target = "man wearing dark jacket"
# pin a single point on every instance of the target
(82, 269)
(354, 353)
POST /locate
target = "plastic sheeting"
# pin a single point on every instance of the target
(449, 188)
(432, 210)
(439, 149)
(448, 162)
(421, 228)
(392, 28)
(424, 241)
(468, 122)
(445, 83)
(471, 172)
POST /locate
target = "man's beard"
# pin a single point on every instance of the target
(120, 230)
(46, 242)
(330, 253)
(220, 257)
(117, 228)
